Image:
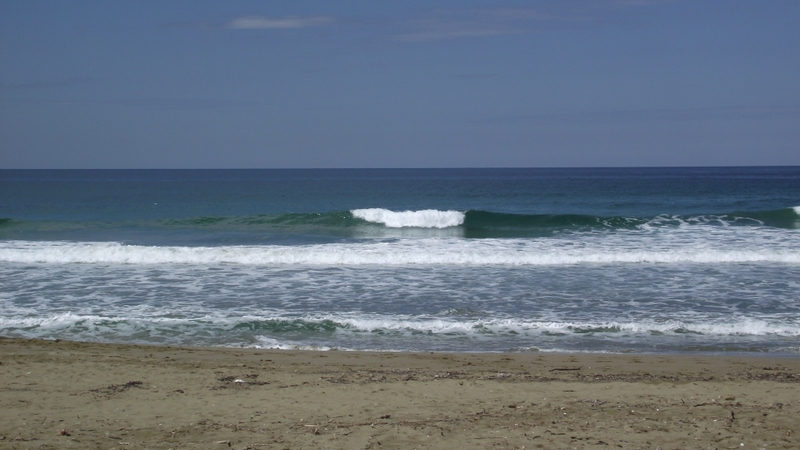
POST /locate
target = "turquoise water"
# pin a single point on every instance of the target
(671, 260)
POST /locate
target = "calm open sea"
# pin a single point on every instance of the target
(678, 260)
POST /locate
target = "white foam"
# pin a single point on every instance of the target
(405, 252)
(411, 252)
(69, 319)
(54, 321)
(269, 343)
(429, 325)
(796, 210)
(427, 218)
(744, 327)
(408, 324)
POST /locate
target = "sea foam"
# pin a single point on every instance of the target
(356, 324)
(426, 218)
(416, 252)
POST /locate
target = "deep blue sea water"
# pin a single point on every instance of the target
(675, 260)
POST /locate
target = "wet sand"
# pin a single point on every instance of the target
(105, 396)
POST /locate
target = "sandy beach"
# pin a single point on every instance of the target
(59, 394)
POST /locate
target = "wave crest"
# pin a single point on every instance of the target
(427, 251)
(426, 218)
(326, 324)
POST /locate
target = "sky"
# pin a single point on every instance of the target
(371, 84)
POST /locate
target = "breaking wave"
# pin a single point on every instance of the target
(380, 222)
(427, 218)
(405, 252)
(400, 332)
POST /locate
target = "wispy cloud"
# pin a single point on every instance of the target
(66, 82)
(161, 104)
(261, 22)
(473, 76)
(625, 3)
(677, 114)
(444, 24)
(176, 104)
(451, 24)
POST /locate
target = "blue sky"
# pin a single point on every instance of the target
(267, 84)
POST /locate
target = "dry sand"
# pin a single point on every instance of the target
(83, 395)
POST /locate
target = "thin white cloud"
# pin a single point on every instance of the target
(677, 114)
(166, 104)
(444, 24)
(175, 104)
(624, 3)
(261, 22)
(66, 82)
(450, 24)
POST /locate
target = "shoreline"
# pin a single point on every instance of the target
(90, 395)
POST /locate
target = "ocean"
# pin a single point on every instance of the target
(628, 260)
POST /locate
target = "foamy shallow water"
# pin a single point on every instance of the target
(608, 307)
(604, 261)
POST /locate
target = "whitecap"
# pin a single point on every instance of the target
(426, 218)
(453, 252)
